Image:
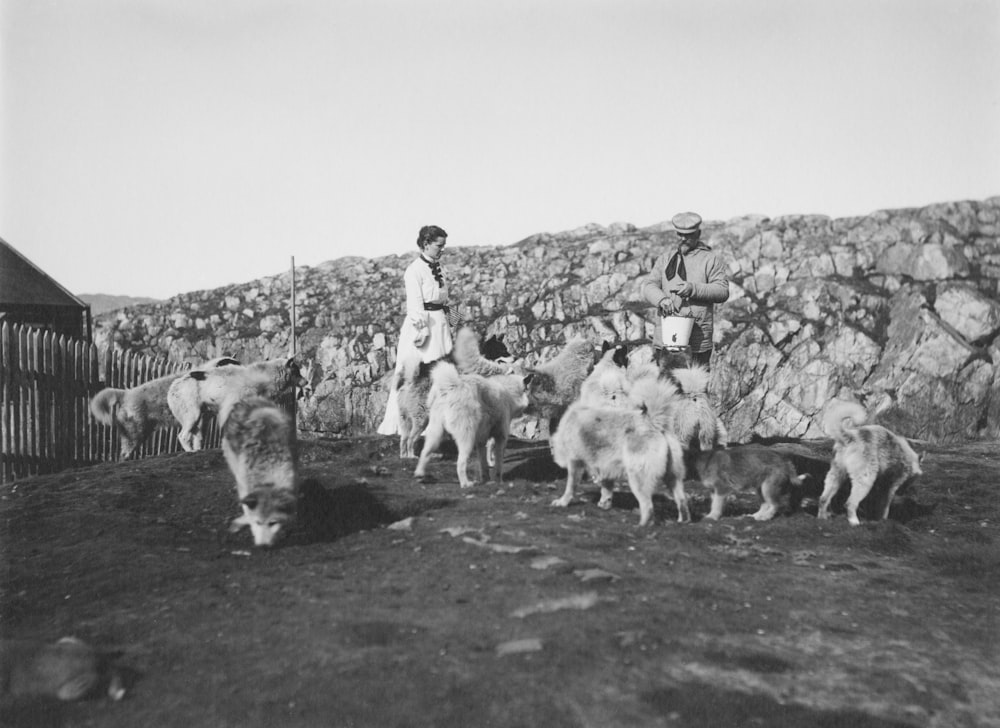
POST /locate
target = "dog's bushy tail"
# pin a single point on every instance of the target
(656, 399)
(842, 419)
(103, 403)
(692, 379)
(465, 350)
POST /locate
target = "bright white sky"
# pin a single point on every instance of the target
(153, 147)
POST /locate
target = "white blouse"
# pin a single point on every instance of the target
(421, 288)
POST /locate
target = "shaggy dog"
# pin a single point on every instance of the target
(472, 409)
(414, 381)
(413, 387)
(196, 393)
(667, 360)
(556, 382)
(607, 383)
(694, 420)
(258, 442)
(143, 408)
(612, 442)
(469, 355)
(730, 470)
(864, 454)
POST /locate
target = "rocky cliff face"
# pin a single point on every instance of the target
(900, 308)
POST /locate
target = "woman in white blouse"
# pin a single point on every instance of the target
(425, 333)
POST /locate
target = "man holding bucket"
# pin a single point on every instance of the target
(687, 283)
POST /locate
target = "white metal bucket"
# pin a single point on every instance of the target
(676, 330)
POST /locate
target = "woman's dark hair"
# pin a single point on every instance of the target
(429, 233)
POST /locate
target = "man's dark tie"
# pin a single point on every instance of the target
(675, 266)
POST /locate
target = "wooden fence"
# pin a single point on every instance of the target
(46, 383)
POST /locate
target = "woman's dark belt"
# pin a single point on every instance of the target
(436, 307)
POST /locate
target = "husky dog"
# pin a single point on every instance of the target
(667, 359)
(469, 357)
(258, 442)
(196, 393)
(607, 383)
(747, 467)
(413, 383)
(864, 454)
(413, 386)
(694, 420)
(556, 382)
(615, 442)
(495, 349)
(68, 670)
(472, 409)
(143, 408)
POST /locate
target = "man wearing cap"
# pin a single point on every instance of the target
(688, 281)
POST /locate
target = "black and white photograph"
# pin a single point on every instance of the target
(455, 363)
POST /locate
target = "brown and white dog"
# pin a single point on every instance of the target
(556, 383)
(143, 408)
(729, 470)
(196, 393)
(258, 442)
(864, 454)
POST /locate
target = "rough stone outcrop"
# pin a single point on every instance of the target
(900, 309)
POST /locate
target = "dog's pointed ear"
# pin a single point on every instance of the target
(620, 357)
(198, 375)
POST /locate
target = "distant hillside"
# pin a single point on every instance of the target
(101, 303)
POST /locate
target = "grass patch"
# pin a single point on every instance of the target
(966, 559)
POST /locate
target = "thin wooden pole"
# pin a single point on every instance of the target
(291, 353)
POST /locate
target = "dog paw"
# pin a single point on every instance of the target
(604, 504)
(560, 502)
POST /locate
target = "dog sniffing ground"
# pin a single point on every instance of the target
(405, 604)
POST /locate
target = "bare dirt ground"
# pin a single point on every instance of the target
(406, 604)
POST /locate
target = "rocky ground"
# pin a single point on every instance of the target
(405, 604)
